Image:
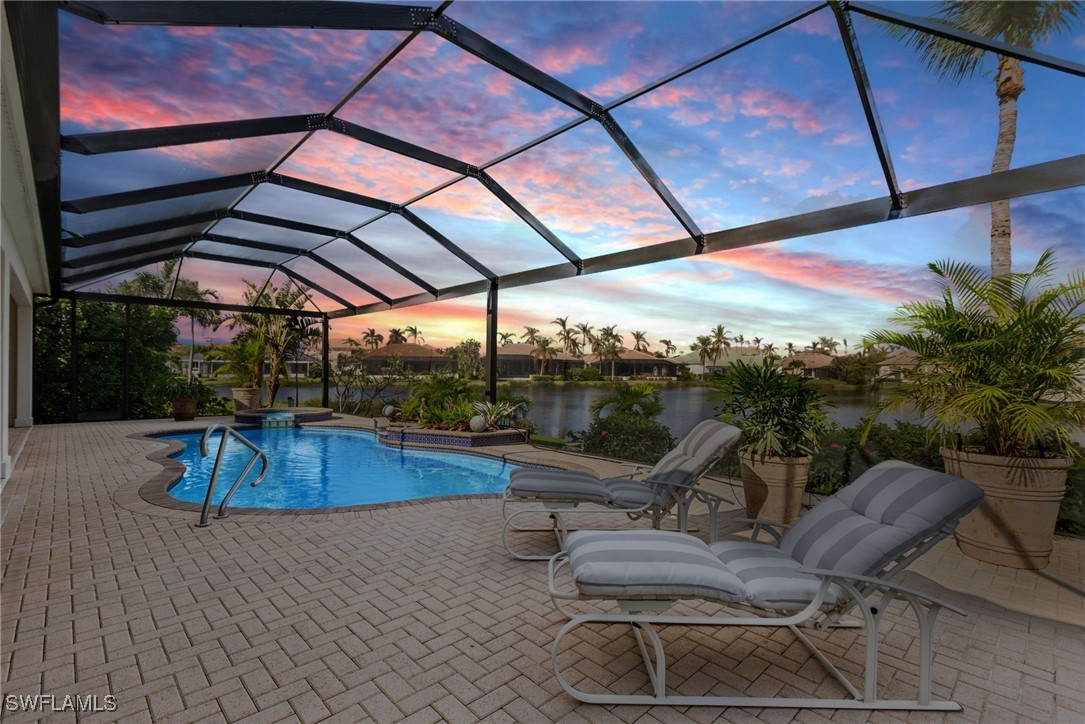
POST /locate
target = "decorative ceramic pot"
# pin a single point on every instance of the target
(246, 398)
(774, 486)
(184, 408)
(1015, 524)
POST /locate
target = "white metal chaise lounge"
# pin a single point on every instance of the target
(839, 557)
(670, 485)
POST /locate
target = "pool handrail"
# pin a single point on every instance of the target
(258, 454)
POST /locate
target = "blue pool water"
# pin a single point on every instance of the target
(321, 468)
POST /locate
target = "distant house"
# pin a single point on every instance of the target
(516, 361)
(721, 363)
(415, 358)
(631, 363)
(897, 366)
(808, 364)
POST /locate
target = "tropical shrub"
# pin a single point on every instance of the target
(1002, 357)
(780, 414)
(635, 398)
(586, 374)
(627, 435)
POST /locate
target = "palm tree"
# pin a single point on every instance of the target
(413, 332)
(640, 343)
(639, 398)
(668, 347)
(769, 349)
(531, 335)
(610, 334)
(562, 323)
(396, 336)
(740, 340)
(756, 342)
(703, 348)
(372, 338)
(610, 350)
(828, 344)
(720, 340)
(790, 347)
(544, 350)
(586, 333)
(506, 338)
(1018, 23)
(570, 343)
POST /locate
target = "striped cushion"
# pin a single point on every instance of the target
(771, 576)
(558, 485)
(890, 508)
(696, 453)
(649, 564)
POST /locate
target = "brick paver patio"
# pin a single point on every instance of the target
(416, 613)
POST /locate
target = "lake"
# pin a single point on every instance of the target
(557, 410)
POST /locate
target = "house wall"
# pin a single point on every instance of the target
(22, 261)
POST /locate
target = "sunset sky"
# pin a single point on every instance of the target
(773, 130)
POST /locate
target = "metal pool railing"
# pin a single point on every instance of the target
(258, 454)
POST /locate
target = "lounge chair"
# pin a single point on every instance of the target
(840, 556)
(668, 486)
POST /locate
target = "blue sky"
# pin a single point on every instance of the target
(772, 130)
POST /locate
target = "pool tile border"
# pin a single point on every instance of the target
(154, 491)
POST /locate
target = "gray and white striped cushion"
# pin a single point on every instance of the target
(890, 508)
(771, 576)
(558, 485)
(649, 564)
(696, 453)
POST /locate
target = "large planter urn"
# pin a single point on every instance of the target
(184, 408)
(1015, 523)
(246, 398)
(774, 486)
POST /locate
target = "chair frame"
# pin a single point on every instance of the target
(869, 595)
(683, 495)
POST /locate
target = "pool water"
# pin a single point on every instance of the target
(324, 468)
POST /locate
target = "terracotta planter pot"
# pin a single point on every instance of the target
(1015, 523)
(774, 486)
(246, 398)
(184, 408)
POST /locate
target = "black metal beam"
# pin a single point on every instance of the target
(128, 252)
(291, 224)
(251, 244)
(349, 277)
(208, 256)
(329, 192)
(866, 96)
(180, 304)
(491, 342)
(326, 377)
(140, 138)
(255, 14)
(150, 227)
(117, 268)
(1039, 178)
(159, 193)
(526, 216)
(446, 243)
(933, 27)
(395, 145)
(467, 39)
(313, 285)
(648, 173)
(393, 265)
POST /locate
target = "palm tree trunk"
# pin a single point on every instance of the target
(1008, 87)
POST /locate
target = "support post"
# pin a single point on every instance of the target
(324, 398)
(491, 342)
(74, 347)
(126, 376)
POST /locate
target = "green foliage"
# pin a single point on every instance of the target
(780, 414)
(542, 378)
(996, 356)
(494, 412)
(466, 354)
(244, 361)
(585, 374)
(856, 369)
(100, 364)
(628, 436)
(442, 401)
(843, 457)
(630, 398)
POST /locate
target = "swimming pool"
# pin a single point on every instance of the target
(327, 468)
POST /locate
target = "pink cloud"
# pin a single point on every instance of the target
(780, 106)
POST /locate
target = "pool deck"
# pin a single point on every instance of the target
(416, 613)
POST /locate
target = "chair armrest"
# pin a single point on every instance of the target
(774, 528)
(882, 583)
(764, 522)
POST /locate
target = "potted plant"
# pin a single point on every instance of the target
(782, 417)
(184, 394)
(245, 363)
(1000, 380)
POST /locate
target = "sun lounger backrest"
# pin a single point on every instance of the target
(888, 510)
(696, 453)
